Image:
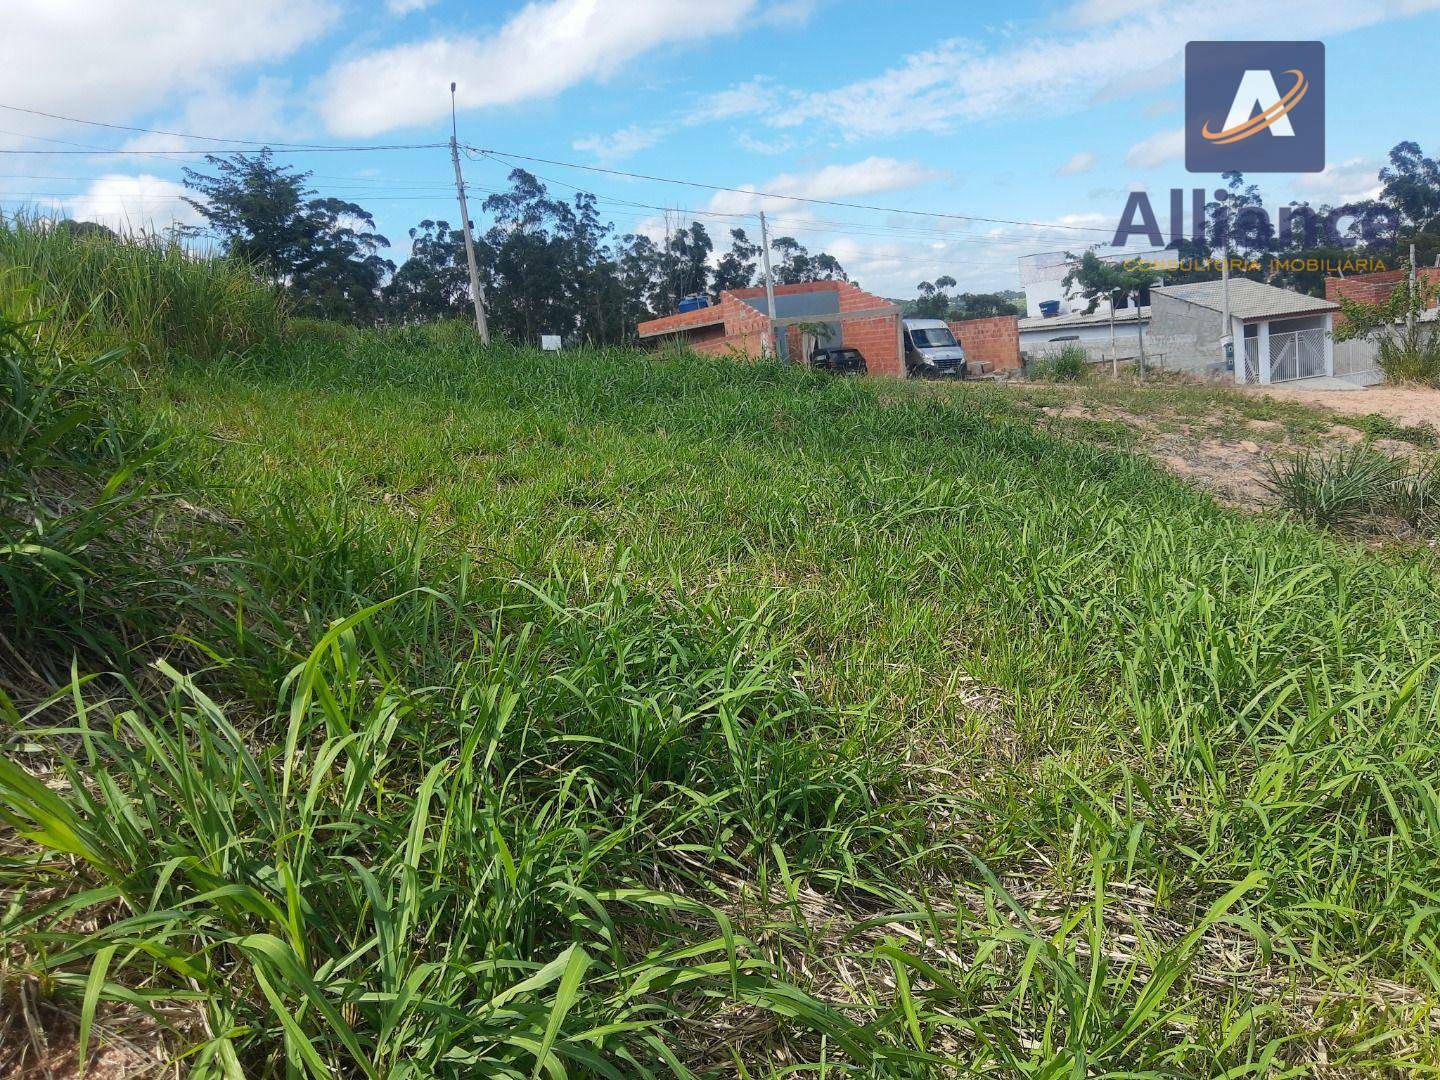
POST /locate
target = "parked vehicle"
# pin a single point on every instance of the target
(931, 351)
(841, 361)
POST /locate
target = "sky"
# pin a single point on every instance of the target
(1023, 125)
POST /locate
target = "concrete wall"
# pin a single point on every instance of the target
(996, 340)
(1186, 336)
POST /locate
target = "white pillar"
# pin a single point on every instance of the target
(1330, 341)
(1262, 351)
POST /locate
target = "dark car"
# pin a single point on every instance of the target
(840, 361)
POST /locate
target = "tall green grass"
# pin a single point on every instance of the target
(593, 714)
(143, 292)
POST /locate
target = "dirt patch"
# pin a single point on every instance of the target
(1230, 454)
(1408, 406)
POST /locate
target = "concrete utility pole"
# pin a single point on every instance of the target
(769, 286)
(1227, 336)
(1414, 292)
(477, 291)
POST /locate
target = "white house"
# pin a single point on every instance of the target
(1042, 276)
(1096, 333)
(1279, 335)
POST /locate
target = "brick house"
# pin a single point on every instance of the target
(736, 324)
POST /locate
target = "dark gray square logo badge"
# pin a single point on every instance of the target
(1255, 106)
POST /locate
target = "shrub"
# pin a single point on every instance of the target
(1333, 490)
(1414, 496)
(1411, 354)
(1070, 364)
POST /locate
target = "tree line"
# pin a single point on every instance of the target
(548, 265)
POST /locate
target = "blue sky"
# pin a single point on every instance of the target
(1046, 113)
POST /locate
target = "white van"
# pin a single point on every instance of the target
(931, 351)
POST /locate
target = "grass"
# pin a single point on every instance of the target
(1335, 489)
(1071, 364)
(514, 713)
(149, 295)
(1341, 488)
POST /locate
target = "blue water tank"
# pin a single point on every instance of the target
(1049, 308)
(694, 302)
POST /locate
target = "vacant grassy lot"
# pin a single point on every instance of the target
(589, 713)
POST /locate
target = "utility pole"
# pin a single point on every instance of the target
(1414, 292)
(477, 291)
(1114, 351)
(769, 286)
(1227, 336)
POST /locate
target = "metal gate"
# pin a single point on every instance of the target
(1299, 354)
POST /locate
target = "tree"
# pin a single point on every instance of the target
(934, 301)
(323, 252)
(434, 282)
(796, 265)
(1411, 184)
(1240, 223)
(982, 306)
(686, 264)
(1098, 279)
(736, 268)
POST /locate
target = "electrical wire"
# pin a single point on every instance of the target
(503, 156)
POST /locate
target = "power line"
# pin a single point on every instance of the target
(144, 130)
(502, 157)
(235, 149)
(862, 228)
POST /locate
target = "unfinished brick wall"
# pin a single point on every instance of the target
(1372, 288)
(996, 340)
(878, 339)
(734, 326)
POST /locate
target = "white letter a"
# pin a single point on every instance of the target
(1257, 88)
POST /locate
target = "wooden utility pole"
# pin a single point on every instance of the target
(769, 287)
(477, 291)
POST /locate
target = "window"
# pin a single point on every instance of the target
(937, 337)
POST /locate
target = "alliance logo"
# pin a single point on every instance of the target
(1237, 118)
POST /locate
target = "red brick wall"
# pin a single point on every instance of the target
(996, 339)
(1372, 288)
(734, 326)
(878, 339)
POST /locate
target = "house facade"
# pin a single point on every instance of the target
(1279, 335)
(836, 313)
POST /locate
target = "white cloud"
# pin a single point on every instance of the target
(874, 174)
(108, 61)
(766, 147)
(758, 95)
(547, 46)
(1157, 150)
(1106, 49)
(1079, 163)
(1350, 181)
(258, 112)
(130, 203)
(407, 7)
(744, 99)
(621, 144)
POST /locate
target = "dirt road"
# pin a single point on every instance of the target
(1405, 405)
